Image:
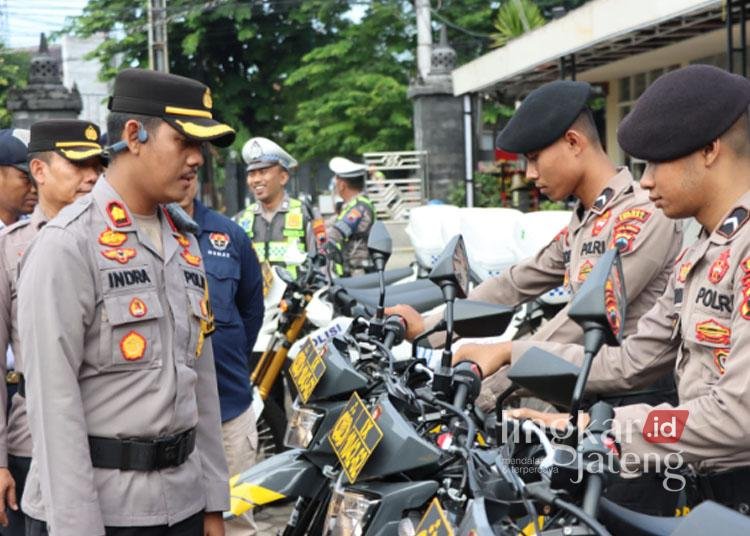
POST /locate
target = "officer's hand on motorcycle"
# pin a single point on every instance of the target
(489, 357)
(7, 495)
(213, 524)
(414, 320)
(558, 421)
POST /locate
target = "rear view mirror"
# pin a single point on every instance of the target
(284, 275)
(601, 300)
(379, 244)
(452, 268)
(480, 319)
(546, 375)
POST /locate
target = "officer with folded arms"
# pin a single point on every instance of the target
(65, 159)
(693, 129)
(114, 315)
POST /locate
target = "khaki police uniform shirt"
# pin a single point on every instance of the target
(112, 348)
(622, 211)
(349, 231)
(700, 329)
(15, 438)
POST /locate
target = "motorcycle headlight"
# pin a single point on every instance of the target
(348, 513)
(301, 427)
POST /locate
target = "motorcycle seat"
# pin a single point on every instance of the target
(621, 520)
(372, 280)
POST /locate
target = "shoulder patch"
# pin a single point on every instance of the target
(736, 219)
(602, 200)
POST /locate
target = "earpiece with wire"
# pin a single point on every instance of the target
(122, 145)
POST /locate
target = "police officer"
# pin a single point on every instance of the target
(278, 224)
(348, 231)
(113, 317)
(65, 159)
(17, 193)
(236, 289)
(693, 129)
(554, 128)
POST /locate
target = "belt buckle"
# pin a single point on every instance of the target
(13, 377)
(171, 450)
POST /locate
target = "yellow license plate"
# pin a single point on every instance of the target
(267, 272)
(354, 437)
(434, 522)
(307, 369)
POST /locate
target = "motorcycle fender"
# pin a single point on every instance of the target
(283, 476)
(395, 499)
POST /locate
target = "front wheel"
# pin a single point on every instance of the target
(271, 429)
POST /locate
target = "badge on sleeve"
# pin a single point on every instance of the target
(634, 214)
(121, 255)
(193, 260)
(137, 308)
(118, 214)
(133, 346)
(719, 268)
(111, 238)
(219, 241)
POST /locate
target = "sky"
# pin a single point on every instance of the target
(26, 19)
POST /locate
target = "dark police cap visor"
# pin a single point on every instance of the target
(182, 102)
(70, 138)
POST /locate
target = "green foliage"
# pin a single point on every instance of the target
(14, 72)
(243, 51)
(548, 204)
(486, 191)
(515, 18)
(355, 88)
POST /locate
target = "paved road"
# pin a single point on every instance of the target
(271, 520)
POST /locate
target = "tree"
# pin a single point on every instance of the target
(14, 72)
(243, 50)
(515, 18)
(356, 86)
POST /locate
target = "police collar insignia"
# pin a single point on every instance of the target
(720, 359)
(219, 241)
(602, 200)
(191, 259)
(182, 240)
(121, 255)
(118, 214)
(736, 219)
(111, 238)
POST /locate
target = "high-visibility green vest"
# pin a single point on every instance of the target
(273, 242)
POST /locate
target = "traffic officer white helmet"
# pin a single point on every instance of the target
(259, 153)
(345, 168)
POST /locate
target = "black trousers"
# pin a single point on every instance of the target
(19, 468)
(192, 526)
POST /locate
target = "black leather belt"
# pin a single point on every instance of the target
(142, 454)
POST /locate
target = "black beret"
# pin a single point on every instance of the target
(544, 116)
(683, 111)
(182, 102)
(70, 138)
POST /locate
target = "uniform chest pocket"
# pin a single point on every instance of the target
(223, 282)
(201, 320)
(131, 338)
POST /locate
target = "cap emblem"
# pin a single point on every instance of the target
(208, 102)
(90, 133)
(256, 151)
